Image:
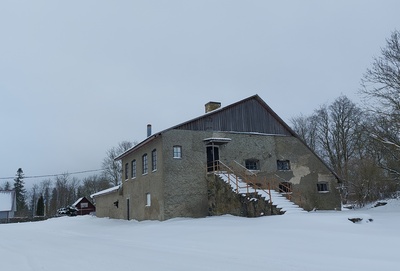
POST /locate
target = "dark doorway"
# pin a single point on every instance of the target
(212, 158)
(127, 209)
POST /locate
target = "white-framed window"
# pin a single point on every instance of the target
(145, 166)
(133, 169)
(283, 164)
(177, 153)
(148, 199)
(84, 205)
(154, 160)
(322, 187)
(126, 171)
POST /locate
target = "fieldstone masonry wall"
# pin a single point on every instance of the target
(222, 200)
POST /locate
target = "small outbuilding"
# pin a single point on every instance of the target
(8, 205)
(84, 206)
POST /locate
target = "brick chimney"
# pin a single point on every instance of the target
(211, 106)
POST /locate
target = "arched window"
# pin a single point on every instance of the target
(126, 171)
(133, 169)
(154, 160)
(177, 153)
(144, 164)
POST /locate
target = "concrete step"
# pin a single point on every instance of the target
(278, 199)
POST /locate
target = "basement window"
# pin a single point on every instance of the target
(283, 164)
(252, 164)
(285, 187)
(322, 187)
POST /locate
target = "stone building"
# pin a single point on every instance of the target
(172, 173)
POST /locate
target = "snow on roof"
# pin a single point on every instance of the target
(6, 201)
(76, 202)
(106, 191)
(217, 139)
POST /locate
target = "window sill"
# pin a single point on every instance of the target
(254, 171)
(144, 174)
(323, 192)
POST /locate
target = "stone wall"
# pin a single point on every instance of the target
(222, 200)
(106, 205)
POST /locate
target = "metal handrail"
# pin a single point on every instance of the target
(244, 168)
(229, 172)
(250, 178)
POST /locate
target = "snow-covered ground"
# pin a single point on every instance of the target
(304, 241)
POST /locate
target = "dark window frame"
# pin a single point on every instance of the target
(322, 187)
(126, 171)
(285, 187)
(154, 160)
(252, 164)
(145, 164)
(133, 169)
(283, 165)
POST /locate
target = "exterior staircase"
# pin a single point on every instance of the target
(241, 187)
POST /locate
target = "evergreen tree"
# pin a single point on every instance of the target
(20, 191)
(40, 207)
(7, 186)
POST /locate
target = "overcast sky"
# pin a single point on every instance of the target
(77, 77)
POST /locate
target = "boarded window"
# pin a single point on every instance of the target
(148, 199)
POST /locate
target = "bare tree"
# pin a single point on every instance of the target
(305, 127)
(64, 192)
(380, 87)
(45, 188)
(92, 184)
(335, 133)
(33, 195)
(112, 169)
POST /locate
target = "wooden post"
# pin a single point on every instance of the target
(270, 198)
